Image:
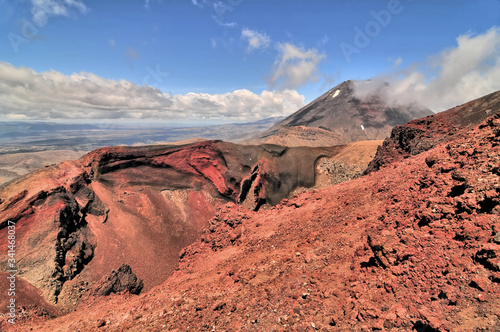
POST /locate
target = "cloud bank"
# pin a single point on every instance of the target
(295, 66)
(468, 71)
(26, 94)
(42, 10)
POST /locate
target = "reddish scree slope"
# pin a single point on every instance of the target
(415, 245)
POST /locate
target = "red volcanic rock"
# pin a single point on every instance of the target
(423, 134)
(198, 160)
(410, 247)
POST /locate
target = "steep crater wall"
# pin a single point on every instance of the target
(77, 221)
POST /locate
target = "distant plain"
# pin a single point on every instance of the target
(28, 146)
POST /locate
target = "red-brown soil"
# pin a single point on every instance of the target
(413, 246)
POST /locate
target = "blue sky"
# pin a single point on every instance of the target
(232, 60)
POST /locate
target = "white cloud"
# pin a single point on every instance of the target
(295, 66)
(255, 39)
(219, 20)
(220, 8)
(26, 94)
(42, 10)
(468, 71)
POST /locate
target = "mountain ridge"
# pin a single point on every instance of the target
(420, 135)
(339, 116)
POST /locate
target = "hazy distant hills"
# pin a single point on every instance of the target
(13, 165)
(16, 137)
(27, 146)
(339, 116)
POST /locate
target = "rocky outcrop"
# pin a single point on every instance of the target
(423, 134)
(118, 281)
(53, 238)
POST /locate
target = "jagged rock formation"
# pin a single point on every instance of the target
(118, 281)
(423, 134)
(413, 246)
(340, 117)
(54, 240)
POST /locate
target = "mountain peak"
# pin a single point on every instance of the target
(347, 115)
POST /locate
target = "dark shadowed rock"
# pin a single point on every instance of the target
(118, 281)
